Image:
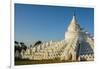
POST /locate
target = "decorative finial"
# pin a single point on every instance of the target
(74, 12)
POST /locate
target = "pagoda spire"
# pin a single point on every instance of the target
(73, 26)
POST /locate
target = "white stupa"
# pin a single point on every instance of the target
(79, 44)
(76, 46)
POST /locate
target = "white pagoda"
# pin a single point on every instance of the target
(77, 46)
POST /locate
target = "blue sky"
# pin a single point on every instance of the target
(41, 22)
